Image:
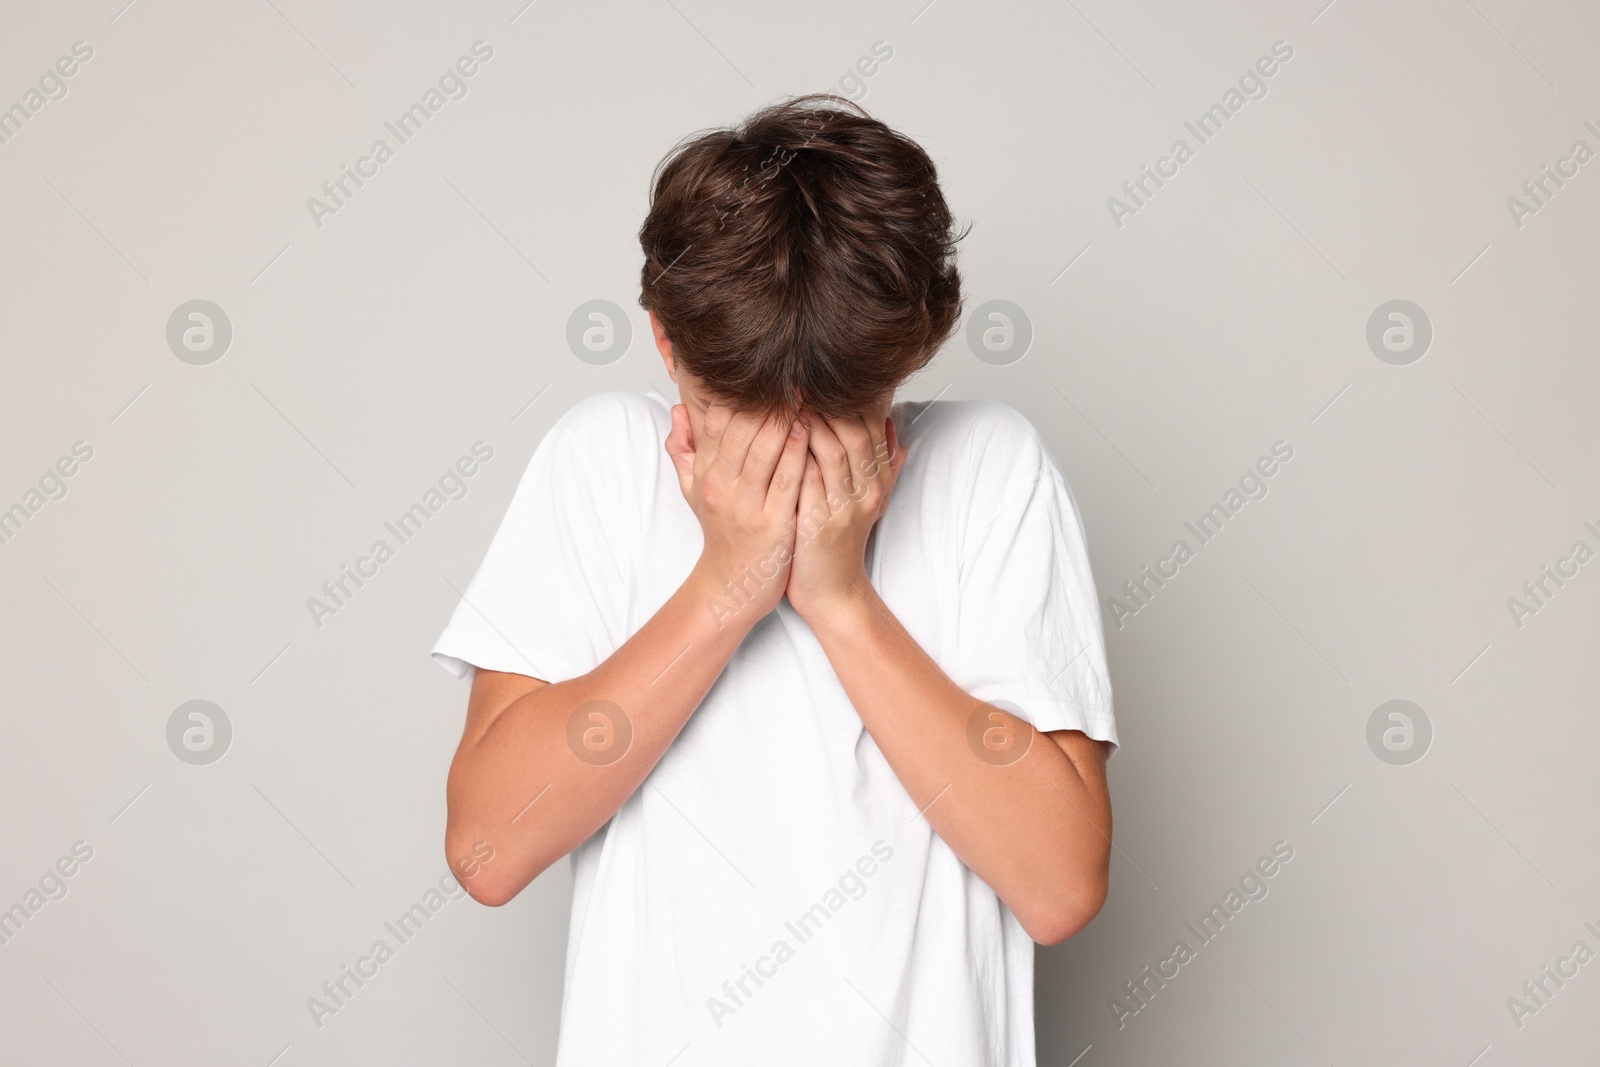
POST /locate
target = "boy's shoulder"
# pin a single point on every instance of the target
(613, 422)
(982, 433)
(616, 409)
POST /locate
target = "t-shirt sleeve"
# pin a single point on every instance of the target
(1029, 637)
(548, 599)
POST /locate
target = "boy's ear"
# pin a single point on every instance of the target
(664, 346)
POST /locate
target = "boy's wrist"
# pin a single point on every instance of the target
(732, 598)
(846, 615)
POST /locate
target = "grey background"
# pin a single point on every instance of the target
(1168, 354)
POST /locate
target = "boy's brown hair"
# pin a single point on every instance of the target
(806, 251)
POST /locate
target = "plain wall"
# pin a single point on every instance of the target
(1172, 346)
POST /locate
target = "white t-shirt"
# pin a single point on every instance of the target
(770, 894)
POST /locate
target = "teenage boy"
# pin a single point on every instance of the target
(810, 685)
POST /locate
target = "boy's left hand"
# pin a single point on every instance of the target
(851, 468)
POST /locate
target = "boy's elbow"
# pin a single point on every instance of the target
(493, 888)
(1065, 916)
(487, 874)
(488, 893)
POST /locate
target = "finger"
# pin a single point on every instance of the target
(783, 493)
(858, 437)
(737, 436)
(878, 435)
(716, 418)
(832, 458)
(714, 423)
(812, 509)
(766, 449)
(857, 440)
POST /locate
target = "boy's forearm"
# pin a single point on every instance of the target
(544, 774)
(1037, 830)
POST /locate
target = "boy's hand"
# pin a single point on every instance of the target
(851, 468)
(741, 476)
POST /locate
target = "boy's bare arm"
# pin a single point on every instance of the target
(1034, 821)
(1036, 829)
(527, 786)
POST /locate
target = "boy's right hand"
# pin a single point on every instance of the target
(741, 475)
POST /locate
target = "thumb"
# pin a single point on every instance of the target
(897, 454)
(679, 449)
